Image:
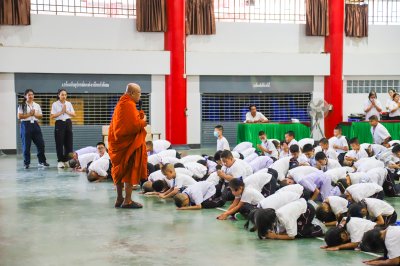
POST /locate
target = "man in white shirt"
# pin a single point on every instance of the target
(267, 147)
(222, 142)
(255, 117)
(290, 138)
(379, 133)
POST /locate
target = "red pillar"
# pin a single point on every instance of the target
(175, 83)
(334, 83)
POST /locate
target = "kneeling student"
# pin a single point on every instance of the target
(99, 170)
(332, 210)
(200, 195)
(376, 210)
(179, 181)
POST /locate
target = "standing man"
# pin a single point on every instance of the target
(127, 146)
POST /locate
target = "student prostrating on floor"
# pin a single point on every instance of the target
(179, 181)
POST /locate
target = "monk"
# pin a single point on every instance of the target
(127, 146)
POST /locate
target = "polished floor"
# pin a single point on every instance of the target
(55, 217)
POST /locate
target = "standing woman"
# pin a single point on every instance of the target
(372, 106)
(62, 111)
(29, 113)
(394, 107)
(390, 100)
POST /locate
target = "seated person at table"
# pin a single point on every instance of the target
(325, 164)
(332, 210)
(355, 154)
(339, 142)
(348, 234)
(222, 142)
(197, 196)
(290, 138)
(179, 181)
(376, 210)
(324, 147)
(386, 241)
(255, 117)
(267, 146)
(99, 170)
(379, 133)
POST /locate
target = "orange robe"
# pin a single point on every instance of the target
(126, 143)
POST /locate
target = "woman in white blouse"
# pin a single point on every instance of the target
(391, 92)
(372, 106)
(394, 107)
(62, 111)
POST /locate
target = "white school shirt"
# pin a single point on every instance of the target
(248, 152)
(271, 147)
(191, 158)
(213, 179)
(288, 215)
(278, 200)
(182, 180)
(251, 195)
(105, 156)
(366, 164)
(243, 146)
(86, 150)
(392, 106)
(302, 159)
(357, 227)
(154, 159)
(100, 166)
(238, 169)
(250, 157)
(257, 180)
(257, 117)
(155, 176)
(296, 188)
(338, 204)
(299, 172)
(222, 144)
(183, 171)
(292, 142)
(330, 153)
(377, 207)
(86, 158)
(58, 106)
(29, 108)
(361, 153)
(282, 167)
(283, 154)
(363, 190)
(160, 145)
(200, 192)
(198, 170)
(342, 142)
(236, 155)
(388, 102)
(377, 175)
(332, 164)
(158, 158)
(261, 162)
(338, 173)
(379, 133)
(392, 242)
(170, 160)
(305, 141)
(212, 166)
(373, 110)
(376, 148)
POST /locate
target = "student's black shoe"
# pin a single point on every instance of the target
(44, 164)
(26, 166)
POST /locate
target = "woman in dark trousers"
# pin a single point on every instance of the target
(29, 113)
(62, 111)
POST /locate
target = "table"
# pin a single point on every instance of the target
(249, 132)
(362, 130)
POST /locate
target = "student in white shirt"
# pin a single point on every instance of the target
(222, 142)
(29, 114)
(179, 181)
(339, 142)
(394, 107)
(324, 147)
(372, 106)
(305, 141)
(99, 170)
(379, 133)
(284, 150)
(388, 240)
(376, 210)
(391, 92)
(85, 150)
(261, 162)
(255, 117)
(197, 196)
(348, 234)
(324, 164)
(332, 210)
(355, 154)
(282, 167)
(267, 147)
(290, 138)
(62, 111)
(358, 192)
(233, 168)
(308, 152)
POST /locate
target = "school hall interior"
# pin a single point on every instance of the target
(268, 132)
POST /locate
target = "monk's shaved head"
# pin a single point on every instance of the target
(134, 91)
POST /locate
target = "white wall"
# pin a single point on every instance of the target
(8, 107)
(257, 49)
(157, 105)
(64, 44)
(194, 110)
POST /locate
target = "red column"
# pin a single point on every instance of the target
(175, 83)
(334, 83)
